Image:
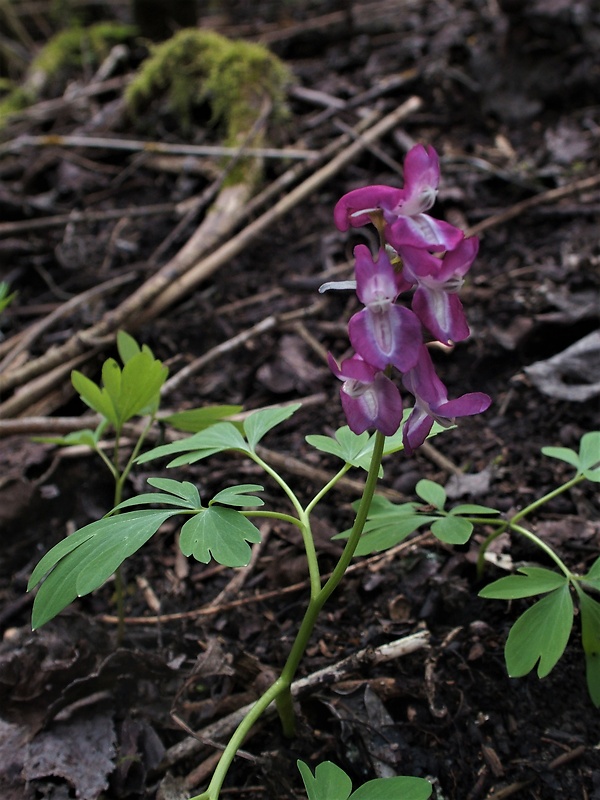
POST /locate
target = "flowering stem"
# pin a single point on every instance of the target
(280, 692)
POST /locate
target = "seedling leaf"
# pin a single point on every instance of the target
(589, 456)
(328, 783)
(238, 496)
(562, 454)
(260, 422)
(592, 578)
(540, 634)
(590, 637)
(87, 558)
(398, 788)
(452, 530)
(431, 493)
(532, 581)
(221, 533)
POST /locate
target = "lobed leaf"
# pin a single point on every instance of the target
(215, 439)
(260, 422)
(87, 558)
(534, 580)
(352, 448)
(590, 637)
(562, 454)
(220, 533)
(194, 420)
(540, 635)
(238, 496)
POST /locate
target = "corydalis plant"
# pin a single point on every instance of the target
(386, 335)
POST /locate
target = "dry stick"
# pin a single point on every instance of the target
(326, 676)
(28, 337)
(169, 284)
(136, 146)
(531, 202)
(190, 279)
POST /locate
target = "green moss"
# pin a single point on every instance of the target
(198, 66)
(76, 47)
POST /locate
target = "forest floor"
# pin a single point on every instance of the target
(508, 95)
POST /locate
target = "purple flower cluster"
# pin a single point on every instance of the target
(417, 253)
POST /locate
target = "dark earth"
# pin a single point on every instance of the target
(509, 98)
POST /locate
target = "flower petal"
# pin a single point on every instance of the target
(465, 406)
(379, 406)
(441, 313)
(421, 179)
(355, 207)
(423, 231)
(416, 429)
(390, 336)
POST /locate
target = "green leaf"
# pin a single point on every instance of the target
(534, 580)
(540, 634)
(592, 578)
(93, 396)
(238, 496)
(589, 456)
(139, 387)
(331, 783)
(590, 637)
(474, 509)
(5, 298)
(194, 420)
(352, 448)
(87, 558)
(219, 437)
(260, 422)
(328, 783)
(387, 525)
(398, 788)
(127, 346)
(182, 494)
(85, 437)
(221, 533)
(183, 489)
(562, 454)
(432, 493)
(452, 530)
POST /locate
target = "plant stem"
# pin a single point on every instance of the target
(280, 690)
(504, 525)
(543, 546)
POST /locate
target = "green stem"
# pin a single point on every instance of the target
(504, 525)
(543, 546)
(280, 690)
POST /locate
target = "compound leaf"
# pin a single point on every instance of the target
(540, 634)
(221, 533)
(351, 447)
(260, 422)
(533, 580)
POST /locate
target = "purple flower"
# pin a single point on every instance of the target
(369, 398)
(438, 282)
(432, 404)
(399, 213)
(382, 333)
